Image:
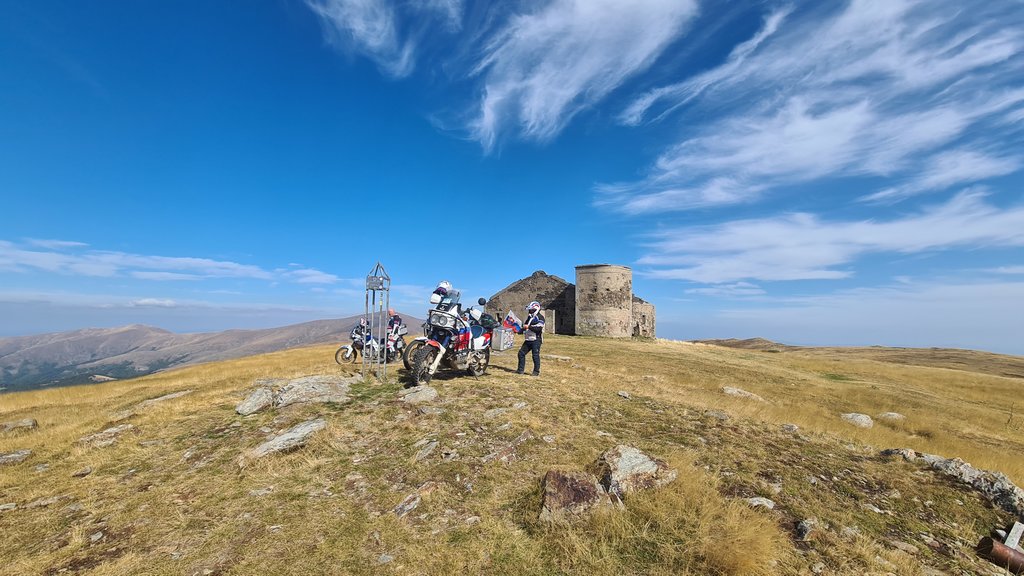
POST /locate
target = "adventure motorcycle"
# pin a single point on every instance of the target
(363, 342)
(456, 338)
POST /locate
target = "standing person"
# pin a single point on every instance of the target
(533, 330)
(394, 324)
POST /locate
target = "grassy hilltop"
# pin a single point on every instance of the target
(170, 497)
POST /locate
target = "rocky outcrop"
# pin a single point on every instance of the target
(259, 399)
(994, 486)
(418, 395)
(621, 470)
(16, 457)
(311, 389)
(625, 469)
(858, 420)
(107, 437)
(291, 439)
(891, 417)
(570, 494)
(164, 398)
(21, 425)
(740, 393)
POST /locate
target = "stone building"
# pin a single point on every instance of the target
(601, 303)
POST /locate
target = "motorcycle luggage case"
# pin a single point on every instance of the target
(502, 339)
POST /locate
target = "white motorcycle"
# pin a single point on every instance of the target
(457, 338)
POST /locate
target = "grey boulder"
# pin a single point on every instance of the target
(291, 439)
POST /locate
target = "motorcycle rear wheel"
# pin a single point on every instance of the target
(421, 362)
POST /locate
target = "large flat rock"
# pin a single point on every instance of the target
(15, 457)
(291, 439)
(310, 389)
(106, 437)
(625, 469)
(25, 424)
(259, 399)
(570, 494)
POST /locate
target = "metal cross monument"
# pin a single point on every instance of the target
(378, 301)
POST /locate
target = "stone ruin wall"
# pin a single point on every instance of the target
(643, 318)
(604, 301)
(554, 294)
(610, 309)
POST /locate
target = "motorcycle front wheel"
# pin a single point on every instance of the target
(409, 353)
(345, 355)
(478, 368)
(421, 362)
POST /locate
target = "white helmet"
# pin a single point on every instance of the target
(533, 306)
(443, 287)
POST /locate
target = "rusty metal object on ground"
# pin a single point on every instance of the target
(1001, 555)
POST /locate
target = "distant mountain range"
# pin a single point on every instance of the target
(102, 354)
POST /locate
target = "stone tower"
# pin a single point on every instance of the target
(604, 300)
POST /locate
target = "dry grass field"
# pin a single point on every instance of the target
(171, 498)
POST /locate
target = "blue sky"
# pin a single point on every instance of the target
(815, 173)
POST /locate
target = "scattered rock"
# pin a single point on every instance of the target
(624, 469)
(891, 417)
(310, 389)
(556, 357)
(107, 437)
(260, 492)
(904, 546)
(850, 532)
(292, 438)
(519, 405)
(96, 537)
(41, 467)
(994, 486)
(430, 410)
(568, 494)
(164, 398)
(624, 394)
(717, 415)
(509, 451)
(408, 504)
(494, 412)
(25, 424)
(16, 457)
(907, 454)
(739, 393)
(761, 502)
(818, 567)
(8, 507)
(858, 420)
(257, 400)
(83, 472)
(790, 428)
(472, 520)
(384, 558)
(425, 451)
(873, 508)
(418, 394)
(44, 502)
(549, 438)
(805, 528)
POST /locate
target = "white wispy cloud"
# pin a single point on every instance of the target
(544, 67)
(728, 290)
(875, 89)
(386, 32)
(54, 244)
(803, 246)
(369, 27)
(153, 302)
(311, 276)
(964, 314)
(1008, 270)
(947, 169)
(66, 259)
